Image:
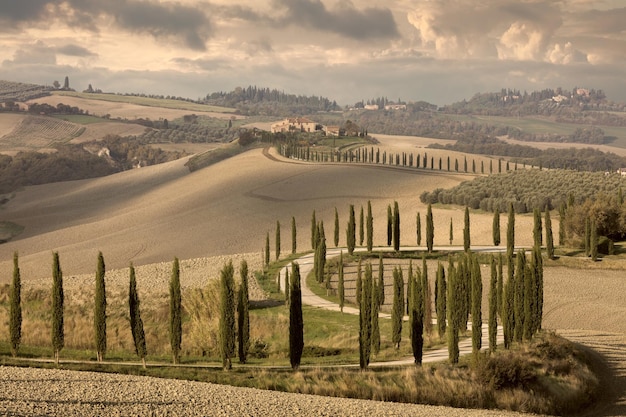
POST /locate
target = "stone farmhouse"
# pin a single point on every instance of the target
(296, 124)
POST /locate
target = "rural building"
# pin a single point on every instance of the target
(371, 107)
(295, 124)
(334, 131)
(395, 107)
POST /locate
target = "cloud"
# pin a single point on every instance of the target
(344, 20)
(36, 54)
(15, 13)
(75, 50)
(565, 54)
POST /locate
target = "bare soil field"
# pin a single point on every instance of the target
(124, 110)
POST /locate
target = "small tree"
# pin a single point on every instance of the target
(477, 296)
(365, 315)
(493, 306)
(136, 324)
(336, 231)
(510, 232)
(416, 317)
(587, 236)
(508, 304)
(350, 232)
(58, 334)
(267, 249)
(397, 312)
(277, 239)
(296, 324)
(361, 227)
(15, 315)
(537, 229)
(593, 241)
(430, 229)
(375, 324)
(518, 300)
(243, 314)
(370, 227)
(381, 280)
(176, 322)
(227, 315)
(562, 234)
(453, 314)
(496, 227)
(359, 283)
(293, 235)
(100, 305)
(313, 230)
(428, 314)
(451, 231)
(549, 238)
(466, 230)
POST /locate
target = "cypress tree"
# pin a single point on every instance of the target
(500, 288)
(416, 317)
(477, 296)
(418, 223)
(375, 324)
(428, 312)
(537, 232)
(267, 249)
(365, 315)
(508, 311)
(277, 240)
(587, 236)
(296, 324)
(15, 315)
(593, 241)
(176, 323)
(510, 232)
(409, 289)
(336, 234)
(396, 226)
(136, 324)
(440, 300)
(350, 233)
(518, 302)
(496, 227)
(430, 229)
(361, 227)
(451, 231)
(227, 315)
(466, 230)
(453, 314)
(243, 314)
(493, 306)
(287, 286)
(313, 230)
(549, 238)
(530, 299)
(562, 235)
(58, 334)
(320, 255)
(359, 283)
(537, 268)
(293, 235)
(100, 314)
(340, 282)
(397, 312)
(389, 225)
(381, 280)
(370, 227)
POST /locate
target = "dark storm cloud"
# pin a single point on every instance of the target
(347, 21)
(75, 50)
(15, 13)
(598, 22)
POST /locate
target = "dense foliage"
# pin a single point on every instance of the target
(526, 189)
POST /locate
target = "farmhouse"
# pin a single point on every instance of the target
(300, 124)
(334, 131)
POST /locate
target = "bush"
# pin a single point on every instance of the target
(506, 370)
(606, 246)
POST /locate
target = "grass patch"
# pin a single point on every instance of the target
(147, 101)
(80, 119)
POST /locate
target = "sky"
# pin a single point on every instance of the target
(440, 51)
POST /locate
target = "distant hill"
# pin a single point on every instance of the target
(17, 92)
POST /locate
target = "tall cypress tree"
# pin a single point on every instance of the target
(381, 280)
(477, 296)
(243, 314)
(537, 232)
(227, 315)
(293, 235)
(350, 233)
(176, 322)
(313, 230)
(593, 241)
(496, 227)
(397, 312)
(396, 226)
(15, 315)
(365, 315)
(370, 227)
(267, 249)
(508, 310)
(510, 232)
(430, 229)
(518, 302)
(440, 300)
(389, 225)
(453, 314)
(587, 236)
(451, 231)
(58, 334)
(530, 301)
(418, 227)
(336, 231)
(500, 288)
(466, 230)
(493, 306)
(416, 317)
(549, 238)
(296, 324)
(277, 239)
(562, 234)
(100, 313)
(340, 282)
(428, 312)
(359, 283)
(136, 324)
(537, 268)
(375, 324)
(287, 286)
(361, 227)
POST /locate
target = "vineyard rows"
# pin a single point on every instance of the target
(36, 132)
(11, 91)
